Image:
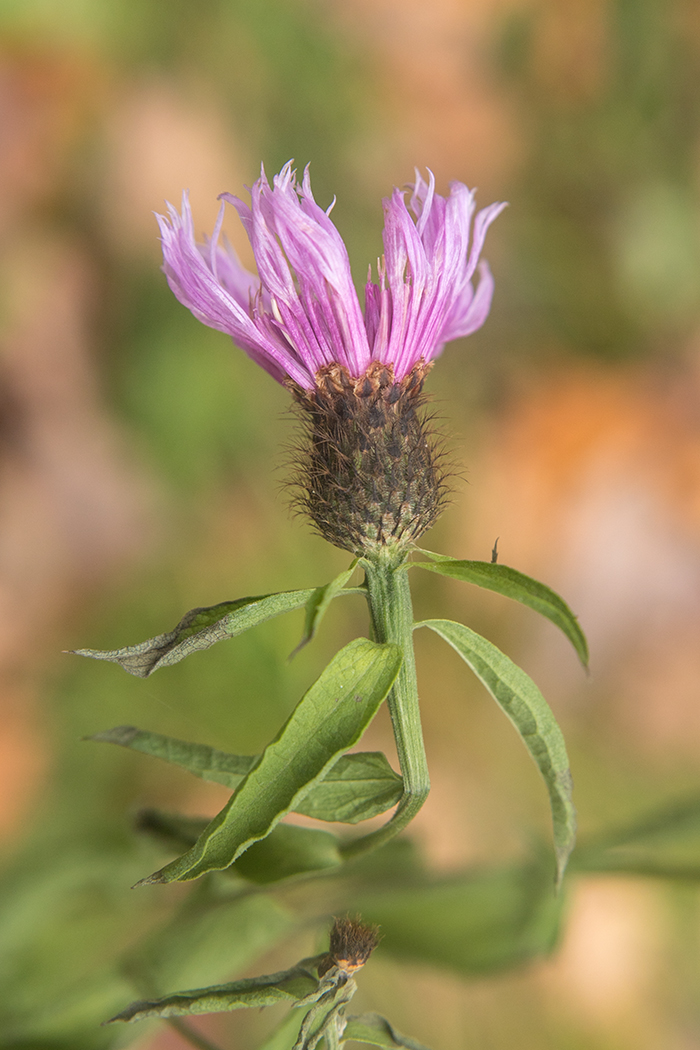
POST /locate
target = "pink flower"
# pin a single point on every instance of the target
(302, 311)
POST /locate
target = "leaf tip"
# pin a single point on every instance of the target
(126, 1015)
(156, 879)
(562, 864)
(119, 735)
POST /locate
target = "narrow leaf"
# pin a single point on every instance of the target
(318, 603)
(200, 629)
(204, 761)
(376, 1030)
(287, 986)
(515, 585)
(329, 719)
(359, 786)
(288, 850)
(523, 703)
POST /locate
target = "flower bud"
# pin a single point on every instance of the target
(351, 944)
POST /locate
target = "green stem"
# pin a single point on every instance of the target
(389, 597)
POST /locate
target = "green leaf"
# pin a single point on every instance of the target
(200, 629)
(474, 923)
(319, 601)
(204, 761)
(288, 850)
(358, 786)
(396, 862)
(252, 992)
(329, 719)
(376, 1030)
(515, 585)
(523, 703)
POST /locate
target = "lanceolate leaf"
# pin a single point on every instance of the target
(376, 1030)
(359, 786)
(288, 850)
(516, 585)
(284, 987)
(200, 629)
(518, 696)
(204, 761)
(329, 719)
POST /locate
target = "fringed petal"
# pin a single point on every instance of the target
(301, 313)
(429, 266)
(218, 301)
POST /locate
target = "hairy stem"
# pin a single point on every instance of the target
(389, 597)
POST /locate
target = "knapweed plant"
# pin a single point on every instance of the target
(370, 478)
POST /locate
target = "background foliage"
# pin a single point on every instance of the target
(142, 469)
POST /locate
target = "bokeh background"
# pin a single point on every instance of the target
(142, 461)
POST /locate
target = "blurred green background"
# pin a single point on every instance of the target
(143, 461)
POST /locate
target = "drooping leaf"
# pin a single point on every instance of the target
(359, 786)
(661, 844)
(477, 922)
(329, 719)
(396, 862)
(319, 601)
(376, 1030)
(252, 992)
(204, 761)
(515, 585)
(523, 703)
(200, 629)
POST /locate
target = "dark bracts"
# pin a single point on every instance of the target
(369, 475)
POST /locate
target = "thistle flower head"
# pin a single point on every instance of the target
(301, 312)
(369, 476)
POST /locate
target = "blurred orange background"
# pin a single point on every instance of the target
(142, 456)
